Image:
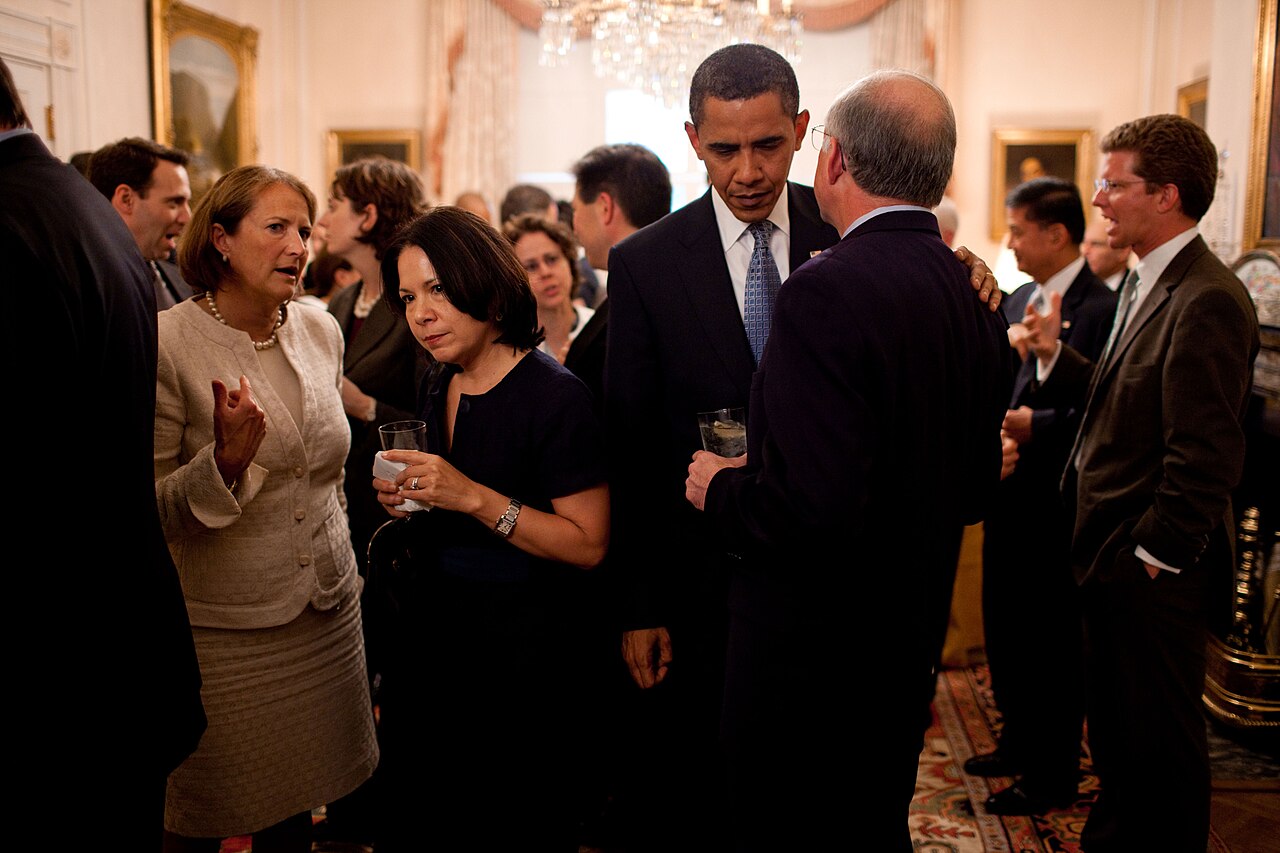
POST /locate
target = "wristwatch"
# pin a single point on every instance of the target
(507, 521)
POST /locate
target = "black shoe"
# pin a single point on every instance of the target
(990, 764)
(1018, 800)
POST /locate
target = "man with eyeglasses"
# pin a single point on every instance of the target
(1158, 453)
(873, 437)
(691, 298)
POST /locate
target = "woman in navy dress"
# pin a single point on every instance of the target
(478, 725)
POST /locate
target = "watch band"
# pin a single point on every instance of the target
(507, 521)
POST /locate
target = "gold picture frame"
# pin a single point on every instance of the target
(203, 71)
(344, 146)
(1015, 153)
(1193, 101)
(1262, 192)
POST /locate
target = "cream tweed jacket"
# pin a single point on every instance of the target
(257, 557)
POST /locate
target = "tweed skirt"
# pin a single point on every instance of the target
(290, 724)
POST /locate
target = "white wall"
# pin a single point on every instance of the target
(326, 64)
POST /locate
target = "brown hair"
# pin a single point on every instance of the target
(528, 223)
(390, 186)
(226, 204)
(1169, 149)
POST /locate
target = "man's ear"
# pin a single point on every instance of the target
(802, 126)
(1168, 199)
(692, 132)
(123, 199)
(608, 209)
(835, 162)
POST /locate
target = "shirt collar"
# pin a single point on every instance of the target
(1060, 281)
(732, 228)
(16, 131)
(879, 210)
(1153, 265)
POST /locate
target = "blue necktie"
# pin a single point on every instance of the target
(763, 282)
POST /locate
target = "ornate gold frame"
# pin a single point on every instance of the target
(406, 145)
(171, 20)
(1264, 107)
(1001, 139)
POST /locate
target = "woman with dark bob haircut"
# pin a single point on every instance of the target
(477, 722)
(250, 440)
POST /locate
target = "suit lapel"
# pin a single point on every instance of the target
(377, 327)
(705, 278)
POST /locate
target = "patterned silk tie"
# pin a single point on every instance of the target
(1128, 295)
(763, 282)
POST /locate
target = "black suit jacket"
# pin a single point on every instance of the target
(104, 656)
(1161, 443)
(173, 280)
(676, 347)
(1088, 311)
(852, 491)
(387, 363)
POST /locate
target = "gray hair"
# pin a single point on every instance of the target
(897, 143)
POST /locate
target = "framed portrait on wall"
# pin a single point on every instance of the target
(1193, 101)
(1262, 196)
(1020, 154)
(344, 146)
(202, 86)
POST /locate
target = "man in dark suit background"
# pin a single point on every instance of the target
(677, 346)
(147, 184)
(1159, 450)
(1030, 611)
(851, 494)
(103, 657)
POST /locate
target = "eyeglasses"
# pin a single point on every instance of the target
(818, 136)
(1104, 185)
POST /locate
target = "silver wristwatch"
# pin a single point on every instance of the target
(507, 521)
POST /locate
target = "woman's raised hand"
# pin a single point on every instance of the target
(239, 426)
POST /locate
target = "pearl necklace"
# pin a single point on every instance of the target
(258, 345)
(364, 303)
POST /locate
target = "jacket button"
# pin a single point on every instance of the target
(299, 514)
(298, 472)
(304, 560)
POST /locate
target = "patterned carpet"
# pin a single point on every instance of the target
(944, 820)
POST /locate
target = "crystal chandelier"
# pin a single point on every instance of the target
(655, 45)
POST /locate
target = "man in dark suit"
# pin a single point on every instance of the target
(103, 655)
(851, 493)
(677, 346)
(1159, 450)
(618, 190)
(1030, 611)
(147, 184)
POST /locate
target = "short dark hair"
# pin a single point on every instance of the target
(12, 113)
(390, 186)
(477, 269)
(1169, 149)
(80, 161)
(632, 175)
(1049, 200)
(894, 146)
(130, 162)
(742, 71)
(227, 203)
(524, 198)
(557, 232)
(318, 279)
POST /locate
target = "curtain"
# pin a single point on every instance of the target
(471, 48)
